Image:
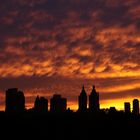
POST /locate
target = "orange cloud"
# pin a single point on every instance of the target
(120, 88)
(79, 41)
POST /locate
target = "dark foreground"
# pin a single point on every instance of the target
(78, 126)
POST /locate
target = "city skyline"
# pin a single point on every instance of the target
(74, 105)
(58, 45)
(15, 102)
(61, 122)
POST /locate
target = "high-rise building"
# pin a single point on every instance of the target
(136, 106)
(82, 101)
(94, 101)
(41, 104)
(112, 110)
(58, 104)
(127, 107)
(15, 100)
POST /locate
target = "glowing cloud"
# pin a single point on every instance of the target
(75, 39)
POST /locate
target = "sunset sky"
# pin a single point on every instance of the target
(56, 46)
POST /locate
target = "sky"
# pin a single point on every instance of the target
(57, 46)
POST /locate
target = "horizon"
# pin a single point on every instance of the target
(74, 106)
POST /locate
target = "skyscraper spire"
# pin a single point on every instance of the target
(83, 88)
(93, 90)
(82, 100)
(94, 100)
(83, 92)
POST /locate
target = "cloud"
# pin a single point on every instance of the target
(81, 39)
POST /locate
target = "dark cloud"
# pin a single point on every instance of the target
(81, 39)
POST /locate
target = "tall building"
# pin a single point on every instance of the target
(41, 104)
(82, 101)
(136, 106)
(58, 104)
(94, 101)
(15, 100)
(127, 107)
(112, 110)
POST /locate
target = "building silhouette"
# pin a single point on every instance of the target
(15, 100)
(41, 104)
(112, 110)
(82, 101)
(94, 101)
(58, 104)
(127, 107)
(136, 106)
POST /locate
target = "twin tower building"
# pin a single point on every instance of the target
(94, 105)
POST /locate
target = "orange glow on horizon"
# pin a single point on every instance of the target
(117, 103)
(104, 104)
